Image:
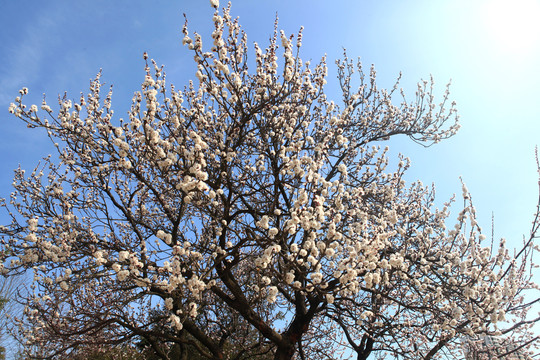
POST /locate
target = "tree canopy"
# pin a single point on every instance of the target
(247, 215)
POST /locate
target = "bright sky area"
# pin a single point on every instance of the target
(490, 50)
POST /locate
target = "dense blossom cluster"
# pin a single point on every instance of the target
(246, 198)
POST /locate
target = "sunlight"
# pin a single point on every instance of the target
(512, 26)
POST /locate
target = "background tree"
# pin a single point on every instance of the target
(249, 203)
(9, 308)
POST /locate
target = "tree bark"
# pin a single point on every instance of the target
(367, 347)
(284, 353)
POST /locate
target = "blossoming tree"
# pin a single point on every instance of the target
(248, 215)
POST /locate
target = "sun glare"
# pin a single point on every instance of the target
(513, 26)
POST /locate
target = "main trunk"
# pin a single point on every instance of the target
(284, 353)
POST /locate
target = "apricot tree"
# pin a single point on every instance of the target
(259, 216)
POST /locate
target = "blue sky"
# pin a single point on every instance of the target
(490, 50)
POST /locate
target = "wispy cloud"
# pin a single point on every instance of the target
(23, 55)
